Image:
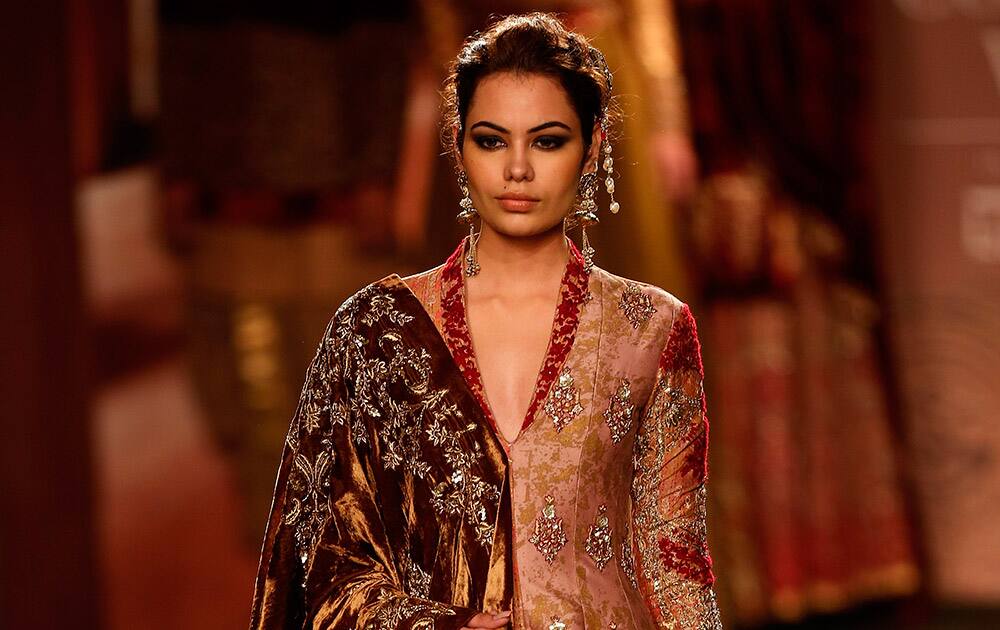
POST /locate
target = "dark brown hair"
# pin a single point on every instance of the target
(532, 43)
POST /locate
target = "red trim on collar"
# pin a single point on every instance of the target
(572, 295)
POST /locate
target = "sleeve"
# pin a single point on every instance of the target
(327, 561)
(670, 537)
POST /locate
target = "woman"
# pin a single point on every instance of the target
(434, 476)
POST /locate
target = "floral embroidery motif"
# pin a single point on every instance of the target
(394, 402)
(557, 624)
(564, 403)
(463, 493)
(310, 507)
(619, 413)
(418, 581)
(549, 536)
(598, 543)
(393, 610)
(636, 305)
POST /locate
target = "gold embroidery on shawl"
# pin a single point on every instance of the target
(598, 543)
(463, 493)
(549, 536)
(460, 493)
(563, 404)
(619, 413)
(393, 609)
(400, 425)
(417, 581)
(310, 506)
(636, 305)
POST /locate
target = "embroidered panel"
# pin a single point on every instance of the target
(549, 535)
(618, 415)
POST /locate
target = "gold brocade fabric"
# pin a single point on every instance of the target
(398, 505)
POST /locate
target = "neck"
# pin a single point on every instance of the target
(521, 263)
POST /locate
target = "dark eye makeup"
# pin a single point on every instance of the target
(493, 142)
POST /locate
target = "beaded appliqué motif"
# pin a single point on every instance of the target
(619, 413)
(636, 305)
(564, 402)
(549, 536)
(598, 544)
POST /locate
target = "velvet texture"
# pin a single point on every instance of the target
(386, 434)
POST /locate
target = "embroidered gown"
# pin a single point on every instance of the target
(399, 504)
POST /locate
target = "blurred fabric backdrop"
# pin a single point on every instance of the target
(190, 189)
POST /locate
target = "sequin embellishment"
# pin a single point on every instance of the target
(619, 412)
(627, 562)
(598, 544)
(564, 402)
(549, 536)
(636, 305)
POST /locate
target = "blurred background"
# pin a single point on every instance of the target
(189, 189)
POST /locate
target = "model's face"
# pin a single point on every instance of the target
(523, 153)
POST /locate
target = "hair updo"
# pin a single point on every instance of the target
(532, 43)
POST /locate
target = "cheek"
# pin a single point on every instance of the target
(563, 177)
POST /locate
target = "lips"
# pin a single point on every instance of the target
(515, 202)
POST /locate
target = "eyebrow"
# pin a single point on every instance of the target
(546, 125)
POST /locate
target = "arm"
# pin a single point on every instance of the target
(326, 561)
(673, 565)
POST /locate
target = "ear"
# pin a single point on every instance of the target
(594, 153)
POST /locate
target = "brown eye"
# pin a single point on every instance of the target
(550, 143)
(489, 143)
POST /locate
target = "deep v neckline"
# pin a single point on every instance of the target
(573, 293)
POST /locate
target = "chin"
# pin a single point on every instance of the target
(524, 225)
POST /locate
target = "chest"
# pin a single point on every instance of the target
(511, 341)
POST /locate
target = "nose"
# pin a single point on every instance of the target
(518, 167)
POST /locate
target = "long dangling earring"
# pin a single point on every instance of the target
(609, 183)
(468, 215)
(586, 215)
